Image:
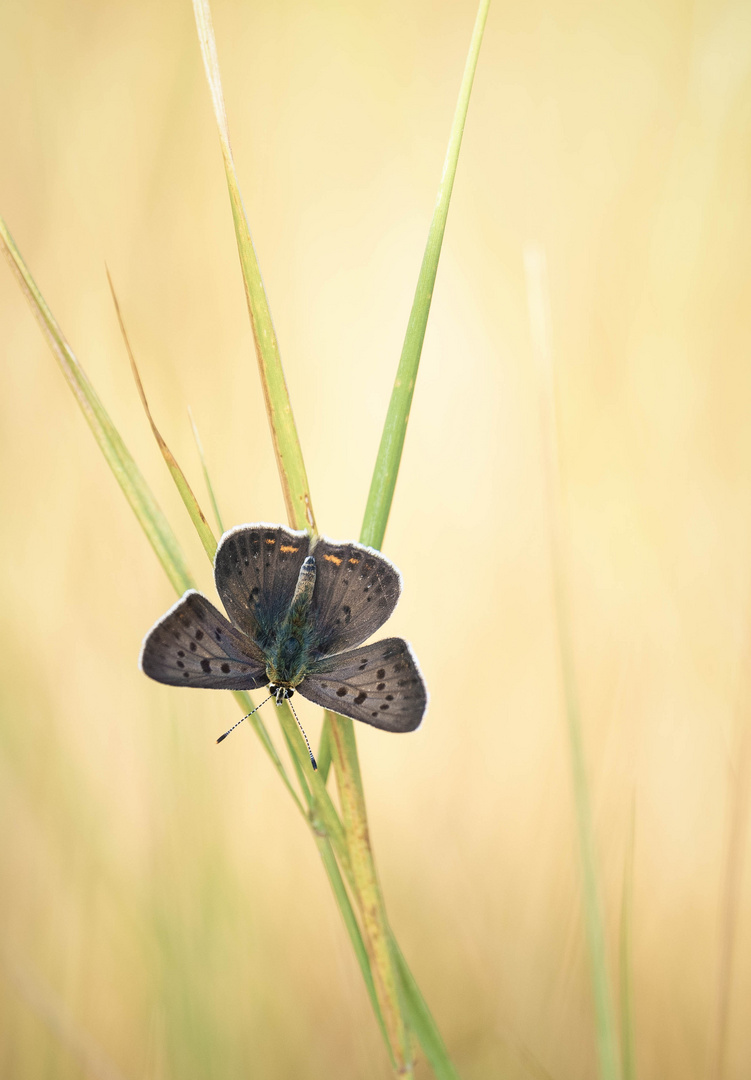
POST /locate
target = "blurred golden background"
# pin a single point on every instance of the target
(164, 913)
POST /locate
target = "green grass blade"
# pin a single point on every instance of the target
(339, 730)
(422, 1022)
(300, 511)
(289, 457)
(323, 757)
(197, 516)
(377, 935)
(127, 473)
(337, 884)
(206, 477)
(246, 704)
(540, 320)
(394, 430)
(628, 1037)
(732, 909)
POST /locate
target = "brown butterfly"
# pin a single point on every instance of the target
(298, 607)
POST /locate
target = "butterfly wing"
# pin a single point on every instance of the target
(356, 590)
(256, 569)
(194, 645)
(379, 684)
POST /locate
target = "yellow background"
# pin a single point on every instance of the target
(163, 910)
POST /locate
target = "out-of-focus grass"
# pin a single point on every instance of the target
(137, 857)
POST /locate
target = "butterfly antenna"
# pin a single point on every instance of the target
(245, 718)
(302, 729)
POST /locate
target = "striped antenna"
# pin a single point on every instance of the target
(302, 729)
(246, 717)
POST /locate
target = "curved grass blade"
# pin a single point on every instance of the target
(540, 320)
(386, 469)
(206, 477)
(127, 473)
(197, 516)
(289, 458)
(142, 502)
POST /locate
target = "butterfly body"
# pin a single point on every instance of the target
(297, 610)
(289, 657)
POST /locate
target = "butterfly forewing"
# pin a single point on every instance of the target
(379, 684)
(356, 590)
(256, 569)
(194, 645)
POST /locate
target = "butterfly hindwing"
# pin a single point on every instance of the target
(379, 684)
(256, 569)
(194, 645)
(356, 590)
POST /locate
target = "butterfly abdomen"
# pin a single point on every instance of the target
(288, 661)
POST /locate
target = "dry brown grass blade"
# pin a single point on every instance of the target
(197, 515)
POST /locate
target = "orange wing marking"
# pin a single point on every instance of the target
(333, 558)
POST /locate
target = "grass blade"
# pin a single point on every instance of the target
(300, 513)
(394, 430)
(731, 902)
(377, 934)
(197, 516)
(127, 473)
(206, 477)
(540, 320)
(422, 1022)
(339, 730)
(289, 458)
(340, 892)
(628, 1037)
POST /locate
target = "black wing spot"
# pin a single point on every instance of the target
(347, 612)
(180, 653)
(180, 664)
(226, 669)
(341, 692)
(384, 707)
(381, 686)
(206, 665)
(381, 673)
(186, 675)
(193, 646)
(199, 635)
(360, 697)
(374, 714)
(389, 697)
(363, 665)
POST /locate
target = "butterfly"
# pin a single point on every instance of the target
(298, 608)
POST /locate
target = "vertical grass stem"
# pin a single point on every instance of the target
(540, 321)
